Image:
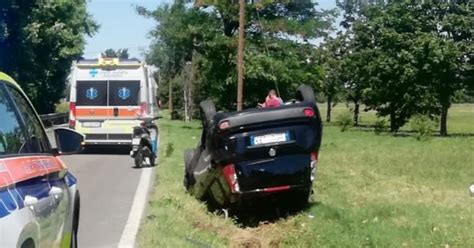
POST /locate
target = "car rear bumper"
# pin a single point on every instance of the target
(107, 142)
(276, 189)
(108, 139)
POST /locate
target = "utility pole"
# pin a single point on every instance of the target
(240, 55)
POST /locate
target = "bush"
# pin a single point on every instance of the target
(169, 149)
(379, 126)
(62, 107)
(422, 125)
(345, 121)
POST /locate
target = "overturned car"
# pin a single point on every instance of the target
(256, 154)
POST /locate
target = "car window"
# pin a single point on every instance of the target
(38, 141)
(124, 93)
(12, 137)
(91, 93)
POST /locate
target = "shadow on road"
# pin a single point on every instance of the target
(107, 150)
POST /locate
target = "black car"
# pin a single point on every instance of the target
(256, 154)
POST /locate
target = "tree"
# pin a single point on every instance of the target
(277, 54)
(39, 40)
(333, 52)
(410, 57)
(111, 53)
(180, 32)
(449, 50)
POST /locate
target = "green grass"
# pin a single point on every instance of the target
(371, 191)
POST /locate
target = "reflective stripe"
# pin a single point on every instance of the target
(17, 169)
(22, 176)
(108, 112)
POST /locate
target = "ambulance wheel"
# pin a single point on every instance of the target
(305, 93)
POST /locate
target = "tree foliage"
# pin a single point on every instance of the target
(409, 57)
(39, 39)
(399, 58)
(119, 53)
(277, 54)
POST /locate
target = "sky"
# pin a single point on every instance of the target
(122, 27)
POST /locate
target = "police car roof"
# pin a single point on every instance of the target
(4, 77)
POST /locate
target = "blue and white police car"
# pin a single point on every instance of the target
(39, 200)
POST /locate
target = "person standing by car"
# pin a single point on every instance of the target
(272, 100)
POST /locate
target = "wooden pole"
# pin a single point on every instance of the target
(240, 55)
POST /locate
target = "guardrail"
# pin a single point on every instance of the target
(54, 119)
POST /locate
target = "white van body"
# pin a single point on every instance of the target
(108, 97)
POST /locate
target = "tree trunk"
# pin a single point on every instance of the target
(393, 125)
(240, 55)
(329, 108)
(192, 81)
(443, 130)
(186, 114)
(356, 114)
(170, 97)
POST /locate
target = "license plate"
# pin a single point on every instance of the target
(136, 141)
(269, 138)
(91, 124)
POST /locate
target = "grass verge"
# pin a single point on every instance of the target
(371, 191)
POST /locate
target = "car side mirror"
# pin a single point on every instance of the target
(68, 141)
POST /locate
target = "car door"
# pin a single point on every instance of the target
(91, 108)
(124, 102)
(47, 190)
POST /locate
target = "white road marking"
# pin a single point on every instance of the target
(127, 240)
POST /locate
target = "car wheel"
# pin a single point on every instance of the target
(305, 93)
(188, 157)
(141, 155)
(73, 240)
(75, 221)
(208, 110)
(29, 243)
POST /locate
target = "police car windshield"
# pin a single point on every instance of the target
(12, 138)
(108, 93)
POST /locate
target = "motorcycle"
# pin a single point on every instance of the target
(145, 142)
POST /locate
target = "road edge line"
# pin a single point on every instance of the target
(129, 234)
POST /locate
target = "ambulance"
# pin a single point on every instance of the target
(108, 96)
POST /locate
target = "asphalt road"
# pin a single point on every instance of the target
(107, 184)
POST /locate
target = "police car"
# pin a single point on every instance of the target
(39, 200)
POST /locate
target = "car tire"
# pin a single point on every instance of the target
(305, 93)
(29, 243)
(143, 152)
(138, 159)
(75, 220)
(208, 110)
(188, 157)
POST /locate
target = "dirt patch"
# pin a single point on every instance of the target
(245, 240)
(264, 236)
